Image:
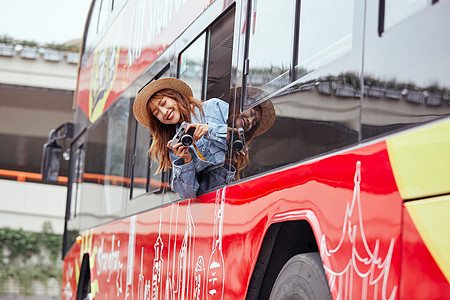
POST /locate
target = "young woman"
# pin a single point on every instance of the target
(162, 105)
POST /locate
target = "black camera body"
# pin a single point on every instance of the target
(239, 143)
(182, 136)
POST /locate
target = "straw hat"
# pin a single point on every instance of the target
(140, 104)
(268, 115)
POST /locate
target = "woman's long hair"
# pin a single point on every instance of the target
(163, 133)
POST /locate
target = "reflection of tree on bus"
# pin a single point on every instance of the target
(161, 106)
(254, 121)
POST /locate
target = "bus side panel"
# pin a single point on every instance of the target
(209, 245)
(421, 276)
(358, 207)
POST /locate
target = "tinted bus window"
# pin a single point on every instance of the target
(191, 63)
(406, 82)
(319, 112)
(220, 55)
(104, 186)
(326, 29)
(398, 10)
(271, 32)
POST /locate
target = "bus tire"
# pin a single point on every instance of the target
(302, 277)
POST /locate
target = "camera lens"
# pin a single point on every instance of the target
(187, 140)
(238, 145)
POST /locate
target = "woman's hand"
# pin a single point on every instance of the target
(200, 130)
(181, 151)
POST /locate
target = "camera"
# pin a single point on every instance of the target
(183, 136)
(239, 142)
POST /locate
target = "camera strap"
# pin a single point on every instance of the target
(200, 155)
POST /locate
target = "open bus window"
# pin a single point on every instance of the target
(271, 32)
(145, 179)
(220, 55)
(191, 66)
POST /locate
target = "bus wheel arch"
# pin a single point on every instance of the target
(84, 281)
(281, 242)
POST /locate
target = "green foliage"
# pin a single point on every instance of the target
(5, 39)
(28, 256)
(62, 47)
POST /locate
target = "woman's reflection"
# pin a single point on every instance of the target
(253, 121)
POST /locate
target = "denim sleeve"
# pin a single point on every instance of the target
(217, 117)
(184, 179)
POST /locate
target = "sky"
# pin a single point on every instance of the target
(43, 21)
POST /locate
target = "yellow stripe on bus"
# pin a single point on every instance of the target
(431, 217)
(420, 160)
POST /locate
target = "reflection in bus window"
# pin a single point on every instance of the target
(104, 172)
(190, 67)
(92, 31)
(406, 83)
(249, 124)
(311, 119)
(326, 28)
(270, 43)
(141, 163)
(105, 10)
(398, 10)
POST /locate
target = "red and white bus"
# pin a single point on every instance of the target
(345, 195)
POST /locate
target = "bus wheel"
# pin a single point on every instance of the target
(302, 277)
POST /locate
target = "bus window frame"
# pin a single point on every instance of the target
(164, 70)
(76, 143)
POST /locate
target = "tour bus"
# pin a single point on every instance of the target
(344, 193)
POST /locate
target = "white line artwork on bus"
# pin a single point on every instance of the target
(68, 288)
(189, 277)
(343, 279)
(130, 260)
(110, 262)
(158, 263)
(216, 271)
(186, 258)
(143, 292)
(199, 279)
(169, 291)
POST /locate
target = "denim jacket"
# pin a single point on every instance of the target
(198, 176)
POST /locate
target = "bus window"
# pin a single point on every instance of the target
(105, 11)
(104, 186)
(325, 33)
(91, 34)
(320, 111)
(271, 32)
(77, 168)
(406, 83)
(220, 54)
(398, 10)
(191, 66)
(145, 179)
(141, 161)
